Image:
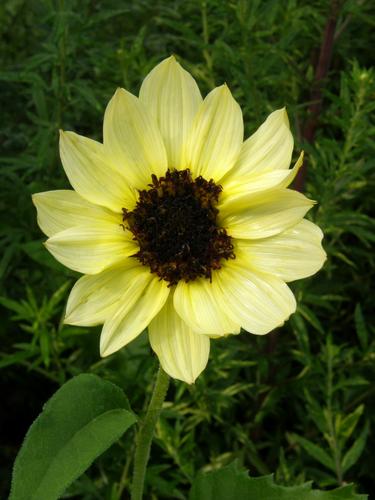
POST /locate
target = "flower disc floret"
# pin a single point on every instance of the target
(175, 225)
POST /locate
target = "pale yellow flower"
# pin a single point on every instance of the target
(177, 224)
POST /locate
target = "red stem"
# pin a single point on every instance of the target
(316, 95)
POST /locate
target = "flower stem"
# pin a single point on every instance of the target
(146, 432)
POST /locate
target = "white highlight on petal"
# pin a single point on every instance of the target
(138, 306)
(172, 96)
(90, 249)
(62, 209)
(94, 298)
(199, 305)
(291, 255)
(216, 136)
(132, 139)
(263, 215)
(91, 173)
(259, 302)
(182, 353)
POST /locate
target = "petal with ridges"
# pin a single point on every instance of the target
(137, 308)
(94, 298)
(91, 174)
(132, 139)
(269, 148)
(216, 136)
(260, 302)
(91, 249)
(294, 254)
(182, 353)
(62, 209)
(237, 188)
(172, 96)
(263, 215)
(201, 309)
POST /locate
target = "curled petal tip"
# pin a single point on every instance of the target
(223, 89)
(119, 91)
(285, 116)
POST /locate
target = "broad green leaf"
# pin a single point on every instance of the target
(315, 451)
(355, 451)
(234, 483)
(81, 420)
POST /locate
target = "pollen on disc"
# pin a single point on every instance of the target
(175, 225)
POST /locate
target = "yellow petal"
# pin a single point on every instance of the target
(259, 302)
(138, 306)
(263, 215)
(91, 173)
(133, 140)
(200, 308)
(59, 210)
(173, 98)
(91, 249)
(95, 298)
(294, 254)
(269, 148)
(237, 188)
(216, 136)
(182, 353)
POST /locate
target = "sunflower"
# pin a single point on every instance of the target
(178, 225)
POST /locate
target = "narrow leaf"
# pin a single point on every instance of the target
(311, 318)
(353, 454)
(360, 326)
(315, 451)
(349, 423)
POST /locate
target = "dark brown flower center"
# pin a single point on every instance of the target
(174, 223)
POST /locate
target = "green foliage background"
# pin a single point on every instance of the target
(298, 402)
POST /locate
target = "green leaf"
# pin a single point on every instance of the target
(349, 423)
(18, 357)
(311, 318)
(12, 305)
(360, 326)
(234, 483)
(315, 411)
(81, 420)
(355, 451)
(315, 451)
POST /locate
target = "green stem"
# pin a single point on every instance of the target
(146, 432)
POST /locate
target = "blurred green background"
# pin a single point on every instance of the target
(298, 402)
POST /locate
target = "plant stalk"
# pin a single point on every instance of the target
(316, 96)
(146, 432)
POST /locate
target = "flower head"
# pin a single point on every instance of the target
(177, 224)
